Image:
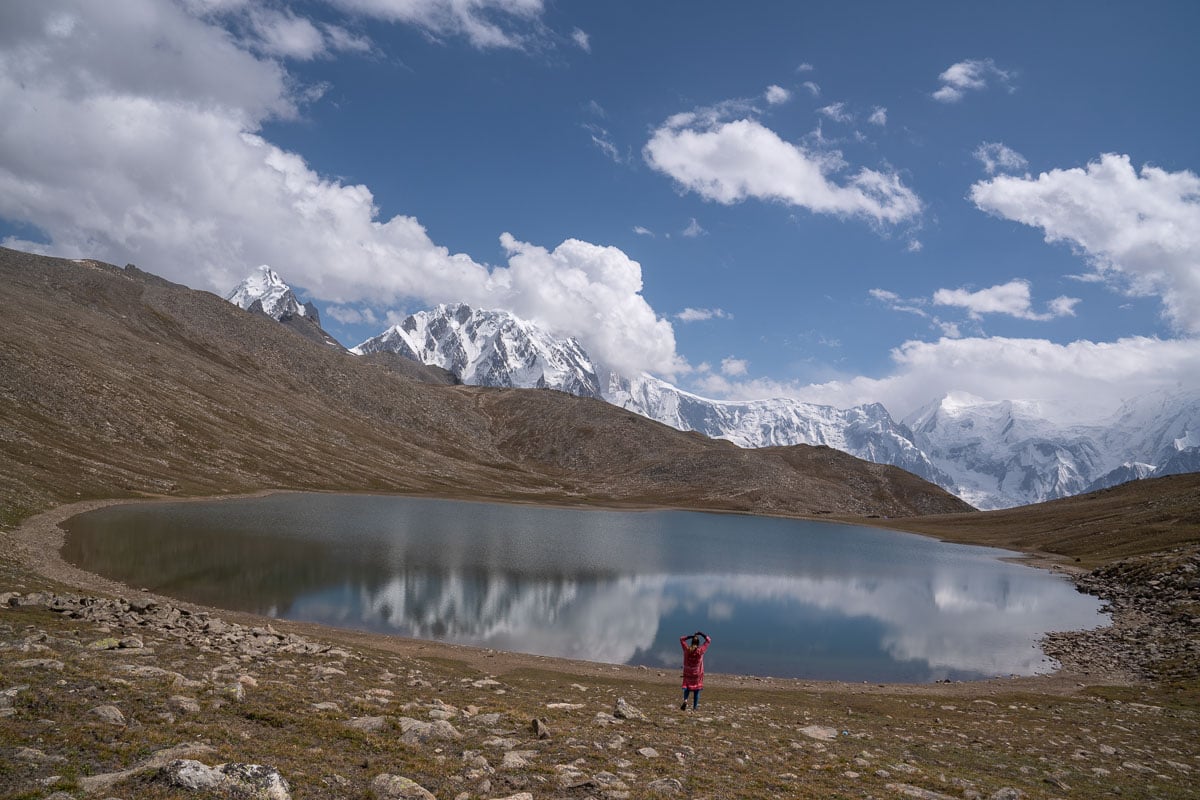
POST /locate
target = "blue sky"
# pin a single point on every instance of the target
(840, 202)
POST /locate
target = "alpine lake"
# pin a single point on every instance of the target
(779, 597)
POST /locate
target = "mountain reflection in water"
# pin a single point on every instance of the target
(787, 598)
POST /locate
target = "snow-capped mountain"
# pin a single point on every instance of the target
(1003, 453)
(489, 348)
(272, 296)
(866, 431)
(1006, 453)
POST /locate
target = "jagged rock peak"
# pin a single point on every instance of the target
(263, 290)
(490, 348)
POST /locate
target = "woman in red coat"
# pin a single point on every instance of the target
(693, 666)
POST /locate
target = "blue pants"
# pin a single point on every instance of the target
(695, 697)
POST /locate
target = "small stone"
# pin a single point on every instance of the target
(665, 786)
(820, 732)
(107, 643)
(368, 724)
(110, 714)
(648, 752)
(625, 711)
(917, 792)
(397, 787)
(183, 704)
(517, 759)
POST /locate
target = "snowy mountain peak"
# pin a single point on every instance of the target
(274, 297)
(490, 348)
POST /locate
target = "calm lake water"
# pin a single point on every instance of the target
(784, 598)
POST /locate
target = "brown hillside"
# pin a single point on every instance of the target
(117, 383)
(1128, 520)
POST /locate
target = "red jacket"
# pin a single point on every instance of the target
(693, 663)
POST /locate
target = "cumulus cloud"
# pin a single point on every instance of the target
(997, 157)
(641, 231)
(1012, 299)
(968, 76)
(694, 229)
(805, 67)
(776, 95)
(1139, 230)
(734, 367)
(878, 116)
(131, 134)
(813, 88)
(731, 161)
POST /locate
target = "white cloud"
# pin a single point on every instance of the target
(282, 33)
(129, 136)
(805, 67)
(813, 88)
(1081, 380)
(1012, 298)
(997, 157)
(776, 95)
(731, 161)
(734, 367)
(484, 23)
(694, 229)
(878, 116)
(1139, 230)
(968, 76)
(603, 141)
(582, 40)
(349, 315)
(640, 231)
(702, 314)
(897, 303)
(837, 112)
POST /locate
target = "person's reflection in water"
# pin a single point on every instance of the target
(693, 666)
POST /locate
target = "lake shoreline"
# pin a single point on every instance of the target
(38, 542)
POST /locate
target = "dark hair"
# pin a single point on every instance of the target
(695, 641)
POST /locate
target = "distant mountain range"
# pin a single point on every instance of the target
(993, 454)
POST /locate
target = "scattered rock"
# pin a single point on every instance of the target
(368, 724)
(397, 787)
(539, 729)
(665, 786)
(110, 714)
(415, 731)
(625, 711)
(820, 732)
(648, 752)
(233, 779)
(182, 704)
(917, 792)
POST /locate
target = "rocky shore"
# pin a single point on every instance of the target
(1155, 634)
